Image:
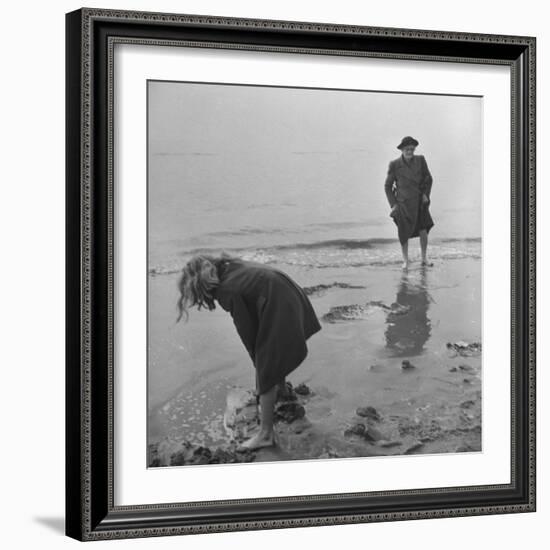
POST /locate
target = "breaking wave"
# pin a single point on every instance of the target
(332, 253)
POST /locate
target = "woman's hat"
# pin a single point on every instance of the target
(407, 140)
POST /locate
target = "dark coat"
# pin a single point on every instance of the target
(405, 184)
(272, 315)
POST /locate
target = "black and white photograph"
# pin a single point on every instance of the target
(300, 274)
(271, 275)
(314, 273)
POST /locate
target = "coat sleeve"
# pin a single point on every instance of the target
(388, 185)
(426, 185)
(246, 323)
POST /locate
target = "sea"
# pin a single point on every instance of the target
(342, 248)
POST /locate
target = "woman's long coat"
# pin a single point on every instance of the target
(272, 315)
(405, 184)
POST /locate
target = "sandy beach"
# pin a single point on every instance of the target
(396, 368)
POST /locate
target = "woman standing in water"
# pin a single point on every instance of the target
(408, 186)
(272, 314)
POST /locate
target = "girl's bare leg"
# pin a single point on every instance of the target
(405, 253)
(266, 436)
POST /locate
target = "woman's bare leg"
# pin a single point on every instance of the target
(266, 436)
(424, 246)
(405, 253)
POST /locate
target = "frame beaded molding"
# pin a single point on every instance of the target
(88, 17)
(238, 23)
(112, 41)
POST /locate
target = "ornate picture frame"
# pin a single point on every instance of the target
(91, 36)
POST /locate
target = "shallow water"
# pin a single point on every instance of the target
(351, 363)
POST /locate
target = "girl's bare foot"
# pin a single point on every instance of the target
(405, 266)
(258, 441)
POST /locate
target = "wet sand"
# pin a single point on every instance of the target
(374, 319)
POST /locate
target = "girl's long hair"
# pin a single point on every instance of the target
(198, 282)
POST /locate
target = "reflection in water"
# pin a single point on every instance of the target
(407, 333)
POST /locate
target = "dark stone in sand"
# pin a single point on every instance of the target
(289, 411)
(288, 393)
(291, 393)
(368, 412)
(154, 459)
(453, 369)
(197, 454)
(367, 432)
(222, 456)
(406, 364)
(191, 455)
(372, 434)
(356, 429)
(467, 381)
(231, 455)
(466, 368)
(177, 459)
(329, 453)
(201, 455)
(302, 389)
(464, 349)
(389, 444)
(465, 449)
(467, 404)
(413, 448)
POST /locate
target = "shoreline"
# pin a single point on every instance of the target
(449, 427)
(372, 321)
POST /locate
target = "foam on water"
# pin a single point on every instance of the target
(328, 253)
